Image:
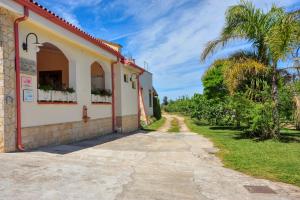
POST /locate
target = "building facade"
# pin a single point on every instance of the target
(147, 94)
(58, 84)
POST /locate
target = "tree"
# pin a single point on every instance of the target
(213, 80)
(165, 101)
(273, 36)
(156, 108)
(245, 75)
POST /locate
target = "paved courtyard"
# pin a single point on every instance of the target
(139, 166)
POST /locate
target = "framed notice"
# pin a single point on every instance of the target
(28, 95)
(28, 66)
(26, 82)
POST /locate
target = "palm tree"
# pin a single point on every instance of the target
(273, 36)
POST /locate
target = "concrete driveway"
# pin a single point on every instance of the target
(140, 166)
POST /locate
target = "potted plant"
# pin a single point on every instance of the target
(44, 93)
(95, 95)
(71, 94)
(108, 95)
(102, 95)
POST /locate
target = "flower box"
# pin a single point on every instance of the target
(100, 99)
(96, 98)
(72, 97)
(44, 95)
(93, 98)
(108, 99)
(59, 96)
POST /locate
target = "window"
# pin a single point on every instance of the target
(52, 78)
(97, 77)
(52, 67)
(133, 85)
(126, 78)
(150, 98)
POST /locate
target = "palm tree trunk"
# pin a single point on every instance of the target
(275, 98)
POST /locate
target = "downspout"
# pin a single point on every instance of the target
(17, 66)
(113, 95)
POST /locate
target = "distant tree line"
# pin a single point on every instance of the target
(248, 89)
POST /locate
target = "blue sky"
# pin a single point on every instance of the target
(168, 34)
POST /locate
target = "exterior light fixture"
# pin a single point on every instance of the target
(25, 44)
(134, 76)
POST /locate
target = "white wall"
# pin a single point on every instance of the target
(126, 101)
(80, 60)
(146, 84)
(118, 69)
(81, 54)
(129, 99)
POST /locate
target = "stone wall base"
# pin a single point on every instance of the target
(7, 82)
(63, 133)
(128, 123)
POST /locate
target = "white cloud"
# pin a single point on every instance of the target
(168, 34)
(71, 4)
(66, 8)
(173, 40)
(68, 16)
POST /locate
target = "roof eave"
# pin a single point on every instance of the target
(42, 11)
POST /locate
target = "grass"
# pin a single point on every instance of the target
(155, 125)
(174, 126)
(271, 159)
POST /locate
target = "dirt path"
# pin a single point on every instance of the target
(167, 125)
(147, 166)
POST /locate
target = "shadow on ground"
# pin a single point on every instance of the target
(226, 128)
(148, 130)
(287, 136)
(84, 144)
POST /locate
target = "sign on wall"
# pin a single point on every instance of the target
(28, 66)
(27, 95)
(26, 82)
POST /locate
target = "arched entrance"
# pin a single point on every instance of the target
(52, 67)
(97, 77)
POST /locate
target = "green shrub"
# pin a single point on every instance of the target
(261, 120)
(101, 92)
(45, 87)
(70, 90)
(156, 108)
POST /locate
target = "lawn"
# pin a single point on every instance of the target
(271, 159)
(155, 125)
(174, 126)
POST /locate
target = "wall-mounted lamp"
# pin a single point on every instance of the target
(25, 44)
(134, 75)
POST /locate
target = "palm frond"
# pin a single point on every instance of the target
(240, 71)
(243, 21)
(244, 55)
(283, 37)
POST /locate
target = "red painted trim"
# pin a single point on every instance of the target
(40, 10)
(101, 103)
(128, 62)
(18, 87)
(56, 102)
(113, 96)
(143, 102)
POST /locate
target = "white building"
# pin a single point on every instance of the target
(69, 87)
(147, 92)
